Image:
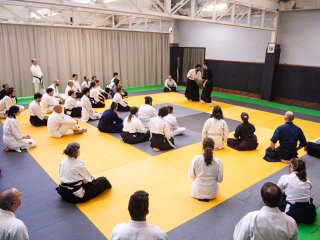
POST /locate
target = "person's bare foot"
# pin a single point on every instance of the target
(156, 149)
(7, 149)
(211, 105)
(202, 102)
(80, 131)
(285, 161)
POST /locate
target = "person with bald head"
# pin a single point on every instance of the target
(288, 136)
(37, 76)
(11, 228)
(59, 124)
(55, 86)
(268, 222)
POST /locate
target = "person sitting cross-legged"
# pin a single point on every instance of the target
(110, 122)
(72, 106)
(77, 184)
(36, 117)
(87, 112)
(138, 228)
(173, 123)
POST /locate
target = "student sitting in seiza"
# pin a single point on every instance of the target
(133, 130)
(72, 107)
(8, 101)
(101, 91)
(48, 101)
(122, 105)
(170, 85)
(216, 128)
(244, 137)
(59, 124)
(146, 112)
(110, 122)
(288, 136)
(206, 171)
(77, 184)
(161, 137)
(12, 136)
(96, 97)
(173, 124)
(87, 112)
(77, 85)
(36, 117)
(313, 148)
(296, 189)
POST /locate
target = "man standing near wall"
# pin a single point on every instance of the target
(37, 76)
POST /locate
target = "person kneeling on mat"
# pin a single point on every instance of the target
(313, 148)
(77, 184)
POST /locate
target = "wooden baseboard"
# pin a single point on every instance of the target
(237, 92)
(297, 102)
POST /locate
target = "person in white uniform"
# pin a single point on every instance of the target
(37, 77)
(12, 136)
(72, 106)
(269, 222)
(216, 128)
(138, 228)
(173, 123)
(161, 137)
(133, 130)
(77, 184)
(36, 117)
(96, 97)
(85, 83)
(296, 189)
(48, 101)
(8, 101)
(59, 124)
(122, 105)
(11, 228)
(170, 85)
(77, 85)
(55, 86)
(146, 112)
(87, 112)
(206, 171)
(69, 87)
(192, 90)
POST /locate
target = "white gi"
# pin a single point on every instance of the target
(295, 189)
(73, 170)
(56, 91)
(94, 93)
(158, 125)
(12, 228)
(267, 223)
(205, 178)
(137, 230)
(146, 112)
(71, 103)
(85, 84)
(6, 103)
(134, 126)
(76, 85)
(173, 124)
(217, 130)
(47, 103)
(35, 110)
(87, 111)
(170, 83)
(13, 138)
(118, 99)
(192, 74)
(68, 88)
(59, 124)
(37, 73)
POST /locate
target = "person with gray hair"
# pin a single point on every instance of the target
(288, 136)
(11, 228)
(77, 184)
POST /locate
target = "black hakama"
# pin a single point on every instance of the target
(280, 153)
(245, 144)
(122, 108)
(35, 121)
(206, 92)
(173, 89)
(133, 138)
(114, 128)
(74, 112)
(161, 142)
(313, 149)
(192, 91)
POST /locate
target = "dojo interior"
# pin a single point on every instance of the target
(265, 60)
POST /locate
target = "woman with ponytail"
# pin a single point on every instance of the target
(206, 171)
(296, 189)
(12, 137)
(133, 129)
(244, 137)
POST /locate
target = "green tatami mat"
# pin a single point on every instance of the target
(310, 231)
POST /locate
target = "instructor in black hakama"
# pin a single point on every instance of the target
(207, 84)
(192, 90)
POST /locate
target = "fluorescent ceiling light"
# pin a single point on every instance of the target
(218, 7)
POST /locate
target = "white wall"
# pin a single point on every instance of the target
(224, 42)
(300, 37)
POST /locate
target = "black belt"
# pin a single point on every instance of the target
(74, 186)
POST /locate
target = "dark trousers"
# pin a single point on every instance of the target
(132, 138)
(243, 144)
(280, 153)
(98, 104)
(79, 94)
(206, 93)
(92, 189)
(35, 121)
(192, 91)
(313, 149)
(75, 112)
(173, 89)
(122, 108)
(161, 142)
(114, 128)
